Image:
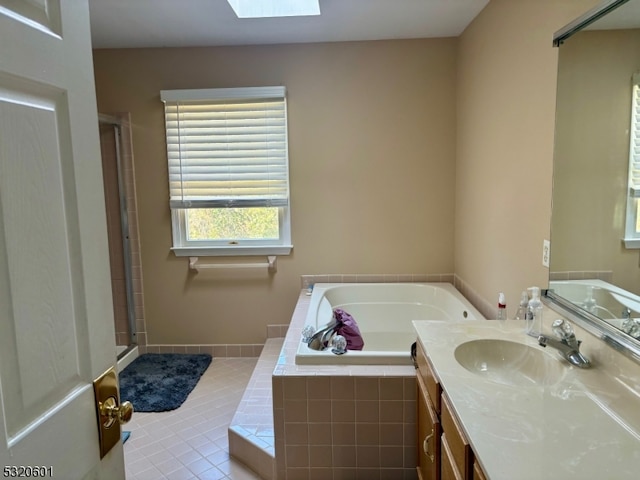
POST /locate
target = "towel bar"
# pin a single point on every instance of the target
(271, 265)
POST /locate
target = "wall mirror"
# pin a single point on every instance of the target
(594, 273)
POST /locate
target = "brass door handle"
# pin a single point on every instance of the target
(110, 411)
(425, 446)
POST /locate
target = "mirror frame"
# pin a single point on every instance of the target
(615, 338)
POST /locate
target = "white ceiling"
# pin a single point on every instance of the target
(181, 23)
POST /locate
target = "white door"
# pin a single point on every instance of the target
(56, 318)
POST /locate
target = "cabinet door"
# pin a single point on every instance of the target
(478, 473)
(426, 373)
(428, 436)
(457, 442)
(449, 469)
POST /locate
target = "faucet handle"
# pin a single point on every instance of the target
(563, 329)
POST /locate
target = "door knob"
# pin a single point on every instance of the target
(110, 411)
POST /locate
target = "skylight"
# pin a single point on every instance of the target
(274, 8)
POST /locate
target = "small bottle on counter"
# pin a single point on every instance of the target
(521, 312)
(502, 307)
(534, 313)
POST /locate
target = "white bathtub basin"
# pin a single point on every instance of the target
(383, 312)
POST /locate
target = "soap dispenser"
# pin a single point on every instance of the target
(534, 313)
(521, 313)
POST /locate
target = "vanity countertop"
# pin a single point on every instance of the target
(586, 425)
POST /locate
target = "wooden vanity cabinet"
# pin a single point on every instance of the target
(478, 473)
(444, 452)
(449, 469)
(428, 436)
(461, 453)
(431, 383)
(429, 429)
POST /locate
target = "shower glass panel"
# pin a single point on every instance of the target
(111, 145)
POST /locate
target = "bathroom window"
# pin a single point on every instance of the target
(632, 230)
(228, 171)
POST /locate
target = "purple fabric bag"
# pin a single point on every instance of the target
(348, 328)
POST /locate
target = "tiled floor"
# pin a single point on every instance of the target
(191, 442)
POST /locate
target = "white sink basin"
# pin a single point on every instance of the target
(509, 363)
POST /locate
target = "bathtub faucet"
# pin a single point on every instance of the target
(567, 344)
(320, 339)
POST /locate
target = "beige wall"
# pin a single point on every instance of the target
(592, 142)
(394, 146)
(372, 164)
(506, 92)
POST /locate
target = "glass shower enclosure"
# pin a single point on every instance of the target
(119, 190)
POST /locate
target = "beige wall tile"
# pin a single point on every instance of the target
(343, 410)
(344, 456)
(368, 411)
(320, 434)
(296, 433)
(320, 456)
(367, 456)
(319, 410)
(367, 434)
(319, 387)
(343, 433)
(342, 388)
(367, 388)
(295, 388)
(391, 388)
(297, 456)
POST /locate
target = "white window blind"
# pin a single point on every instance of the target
(634, 154)
(227, 147)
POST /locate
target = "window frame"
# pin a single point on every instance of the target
(182, 246)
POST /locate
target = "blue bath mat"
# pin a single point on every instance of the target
(159, 382)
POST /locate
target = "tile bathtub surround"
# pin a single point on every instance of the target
(352, 425)
(488, 309)
(220, 350)
(277, 331)
(308, 280)
(217, 351)
(342, 421)
(605, 275)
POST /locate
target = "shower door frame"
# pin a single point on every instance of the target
(116, 123)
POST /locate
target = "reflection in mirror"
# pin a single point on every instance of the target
(595, 269)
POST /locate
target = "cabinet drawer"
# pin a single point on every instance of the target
(457, 442)
(449, 469)
(430, 380)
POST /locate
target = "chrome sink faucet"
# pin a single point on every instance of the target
(566, 343)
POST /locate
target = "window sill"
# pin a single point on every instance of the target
(234, 251)
(631, 243)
